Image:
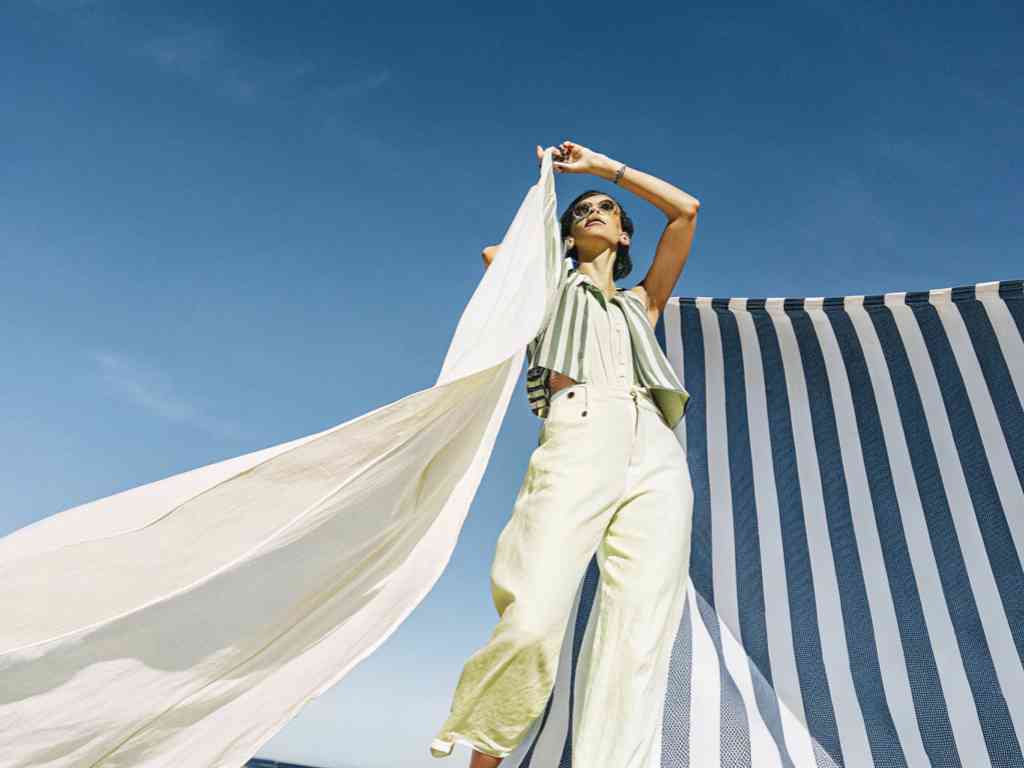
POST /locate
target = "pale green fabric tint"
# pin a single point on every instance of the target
(576, 498)
(566, 342)
(609, 477)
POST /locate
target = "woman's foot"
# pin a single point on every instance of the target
(481, 760)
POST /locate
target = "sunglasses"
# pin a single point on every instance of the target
(582, 210)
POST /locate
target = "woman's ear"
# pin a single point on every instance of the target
(569, 242)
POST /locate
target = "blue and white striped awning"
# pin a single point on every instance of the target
(856, 592)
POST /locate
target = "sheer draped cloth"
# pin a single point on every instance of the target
(185, 622)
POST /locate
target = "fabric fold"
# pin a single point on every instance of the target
(186, 621)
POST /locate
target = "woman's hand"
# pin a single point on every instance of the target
(540, 154)
(570, 157)
(488, 254)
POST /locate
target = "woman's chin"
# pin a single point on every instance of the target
(595, 244)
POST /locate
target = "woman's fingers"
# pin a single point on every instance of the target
(559, 151)
(556, 153)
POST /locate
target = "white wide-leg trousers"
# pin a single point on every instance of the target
(608, 476)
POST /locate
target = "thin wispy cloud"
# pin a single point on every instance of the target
(151, 389)
(361, 85)
(193, 52)
(207, 54)
(210, 55)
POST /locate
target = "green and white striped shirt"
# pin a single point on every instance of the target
(562, 345)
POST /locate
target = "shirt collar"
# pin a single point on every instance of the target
(583, 277)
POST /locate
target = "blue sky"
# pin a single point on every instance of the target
(224, 226)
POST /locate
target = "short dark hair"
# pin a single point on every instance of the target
(623, 261)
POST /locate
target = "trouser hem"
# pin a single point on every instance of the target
(444, 747)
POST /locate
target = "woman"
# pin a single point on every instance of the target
(608, 477)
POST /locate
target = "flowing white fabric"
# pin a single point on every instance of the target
(185, 622)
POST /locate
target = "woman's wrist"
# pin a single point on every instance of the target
(605, 167)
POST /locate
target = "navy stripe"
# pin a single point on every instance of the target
(734, 725)
(974, 649)
(858, 627)
(675, 726)
(527, 760)
(817, 696)
(750, 595)
(988, 507)
(591, 582)
(1011, 292)
(918, 653)
(1008, 407)
(697, 452)
(570, 333)
(661, 338)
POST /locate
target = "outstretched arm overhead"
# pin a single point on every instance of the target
(679, 207)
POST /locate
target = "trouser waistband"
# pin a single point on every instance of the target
(642, 396)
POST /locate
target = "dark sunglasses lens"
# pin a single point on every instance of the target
(583, 209)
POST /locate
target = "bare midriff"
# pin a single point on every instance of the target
(559, 381)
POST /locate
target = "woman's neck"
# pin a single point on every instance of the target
(600, 273)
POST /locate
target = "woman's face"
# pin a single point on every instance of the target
(597, 224)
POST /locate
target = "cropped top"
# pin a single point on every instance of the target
(562, 345)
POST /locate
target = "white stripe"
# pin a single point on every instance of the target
(1005, 659)
(959, 701)
(579, 330)
(705, 693)
(892, 663)
(556, 346)
(723, 554)
(785, 679)
(652, 351)
(1010, 341)
(1012, 346)
(723, 530)
(849, 718)
(600, 322)
(763, 751)
(723, 539)
(997, 451)
(515, 758)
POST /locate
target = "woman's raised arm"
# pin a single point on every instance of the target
(680, 208)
